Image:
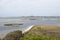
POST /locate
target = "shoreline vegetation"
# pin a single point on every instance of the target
(36, 32)
(15, 35)
(43, 32)
(13, 24)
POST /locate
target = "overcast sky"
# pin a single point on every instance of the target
(29, 8)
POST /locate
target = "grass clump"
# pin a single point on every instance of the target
(13, 35)
(32, 36)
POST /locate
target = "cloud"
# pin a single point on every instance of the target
(29, 7)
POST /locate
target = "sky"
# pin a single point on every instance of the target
(9, 8)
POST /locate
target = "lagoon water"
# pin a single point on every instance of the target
(26, 23)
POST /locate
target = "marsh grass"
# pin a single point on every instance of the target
(0, 38)
(13, 35)
(43, 32)
(12, 24)
(38, 32)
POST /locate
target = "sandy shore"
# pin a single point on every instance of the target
(27, 29)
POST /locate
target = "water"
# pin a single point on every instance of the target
(26, 23)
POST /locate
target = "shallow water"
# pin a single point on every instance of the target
(26, 23)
